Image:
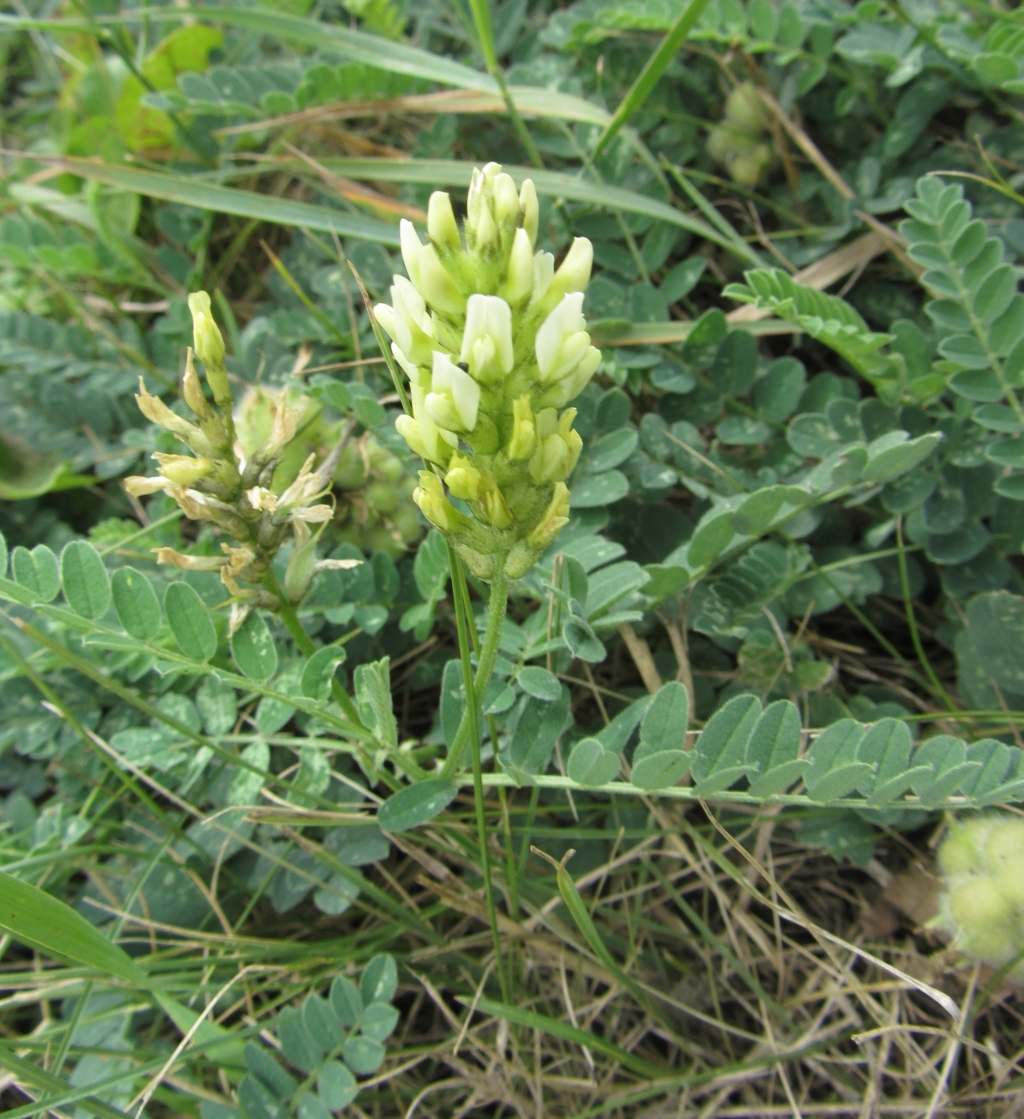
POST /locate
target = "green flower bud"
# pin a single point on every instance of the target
(984, 903)
(519, 283)
(209, 346)
(382, 497)
(744, 109)
(183, 470)
(192, 390)
(442, 228)
(429, 496)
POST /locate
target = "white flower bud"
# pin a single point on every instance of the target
(530, 208)
(442, 228)
(562, 341)
(454, 398)
(483, 234)
(407, 321)
(436, 285)
(475, 198)
(543, 273)
(424, 437)
(574, 272)
(506, 200)
(487, 339)
(579, 378)
(519, 282)
(412, 249)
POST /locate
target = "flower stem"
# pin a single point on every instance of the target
(485, 664)
(462, 622)
(290, 616)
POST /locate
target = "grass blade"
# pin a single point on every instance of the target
(532, 1020)
(229, 200)
(37, 918)
(456, 173)
(649, 75)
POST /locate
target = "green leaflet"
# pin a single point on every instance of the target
(828, 319)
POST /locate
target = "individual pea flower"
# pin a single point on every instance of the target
(494, 346)
(231, 486)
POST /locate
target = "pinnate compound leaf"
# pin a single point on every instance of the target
(312, 1107)
(710, 540)
(591, 764)
(253, 649)
(539, 727)
(380, 980)
(539, 683)
(995, 627)
(190, 622)
(416, 804)
(135, 603)
(47, 571)
(346, 1001)
(721, 749)
(886, 747)
(246, 783)
(889, 457)
(835, 770)
(373, 691)
(1001, 777)
(665, 722)
(302, 1049)
(319, 671)
(266, 1069)
(257, 1102)
(363, 1055)
(37, 571)
(320, 1020)
(661, 770)
(827, 318)
(84, 579)
(944, 769)
(617, 733)
(773, 748)
(379, 1021)
(336, 1085)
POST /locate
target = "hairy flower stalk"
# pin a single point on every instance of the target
(494, 343)
(223, 486)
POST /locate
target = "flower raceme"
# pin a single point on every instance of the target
(221, 484)
(493, 340)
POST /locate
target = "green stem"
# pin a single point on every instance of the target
(482, 18)
(290, 616)
(462, 624)
(485, 665)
